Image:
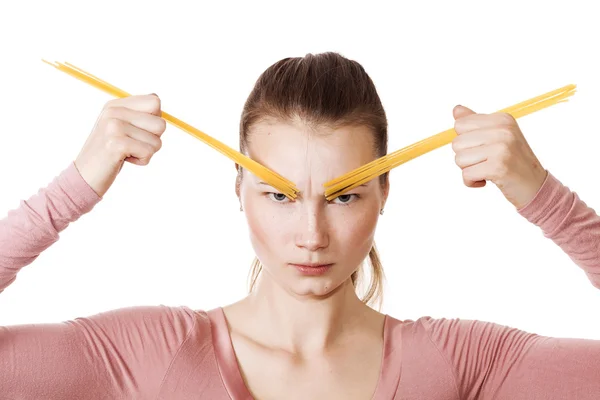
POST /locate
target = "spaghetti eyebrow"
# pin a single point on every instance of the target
(266, 184)
(282, 184)
(377, 167)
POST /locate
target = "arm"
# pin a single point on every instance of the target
(119, 354)
(499, 362)
(565, 219)
(491, 361)
(36, 224)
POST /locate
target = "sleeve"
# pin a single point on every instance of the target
(566, 219)
(118, 354)
(491, 361)
(34, 226)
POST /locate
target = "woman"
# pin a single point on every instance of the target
(302, 332)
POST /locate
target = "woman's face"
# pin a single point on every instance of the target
(310, 230)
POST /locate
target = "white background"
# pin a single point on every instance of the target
(171, 232)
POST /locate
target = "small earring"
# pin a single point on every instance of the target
(381, 212)
(241, 209)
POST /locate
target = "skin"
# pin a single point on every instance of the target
(312, 333)
(297, 336)
(492, 147)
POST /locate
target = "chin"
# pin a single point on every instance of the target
(316, 287)
(310, 285)
(302, 283)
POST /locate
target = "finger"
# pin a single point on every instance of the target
(143, 136)
(461, 112)
(475, 175)
(149, 103)
(476, 138)
(482, 121)
(136, 152)
(133, 160)
(472, 156)
(474, 184)
(142, 120)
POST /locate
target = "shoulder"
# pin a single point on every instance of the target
(455, 335)
(445, 331)
(439, 328)
(170, 325)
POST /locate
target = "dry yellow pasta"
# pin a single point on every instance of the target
(357, 177)
(348, 181)
(277, 181)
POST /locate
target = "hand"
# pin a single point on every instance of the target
(492, 147)
(128, 129)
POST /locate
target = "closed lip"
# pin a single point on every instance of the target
(310, 265)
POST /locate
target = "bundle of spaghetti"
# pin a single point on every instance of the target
(365, 173)
(272, 178)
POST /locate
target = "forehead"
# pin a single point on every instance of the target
(306, 154)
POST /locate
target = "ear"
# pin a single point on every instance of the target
(386, 190)
(238, 180)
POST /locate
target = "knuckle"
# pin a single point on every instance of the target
(156, 125)
(503, 149)
(457, 160)
(113, 126)
(149, 151)
(511, 139)
(500, 171)
(456, 144)
(466, 174)
(507, 118)
(162, 125)
(459, 125)
(112, 112)
(109, 104)
(505, 158)
(116, 145)
(155, 144)
(154, 103)
(506, 136)
(146, 156)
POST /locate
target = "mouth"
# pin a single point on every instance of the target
(312, 269)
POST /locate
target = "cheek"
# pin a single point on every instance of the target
(267, 233)
(355, 232)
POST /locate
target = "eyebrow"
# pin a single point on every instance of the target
(266, 184)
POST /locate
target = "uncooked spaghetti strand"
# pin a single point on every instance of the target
(386, 163)
(562, 91)
(261, 171)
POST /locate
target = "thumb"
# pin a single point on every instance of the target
(461, 111)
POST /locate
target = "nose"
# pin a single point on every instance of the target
(313, 234)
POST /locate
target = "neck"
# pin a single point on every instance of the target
(307, 324)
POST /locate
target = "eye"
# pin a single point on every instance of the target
(345, 199)
(277, 197)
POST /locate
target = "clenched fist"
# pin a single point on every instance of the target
(128, 129)
(492, 147)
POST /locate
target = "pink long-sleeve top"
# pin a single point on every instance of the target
(178, 353)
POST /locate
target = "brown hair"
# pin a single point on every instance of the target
(325, 89)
